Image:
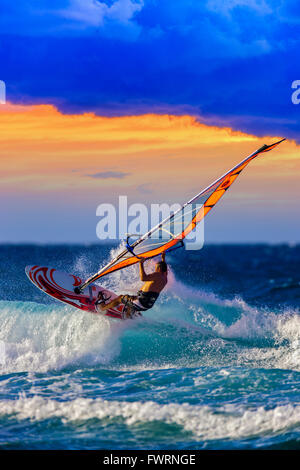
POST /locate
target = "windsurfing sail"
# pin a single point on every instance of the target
(170, 233)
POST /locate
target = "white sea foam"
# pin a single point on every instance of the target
(39, 337)
(231, 422)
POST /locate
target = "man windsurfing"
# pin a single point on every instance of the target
(146, 296)
(71, 290)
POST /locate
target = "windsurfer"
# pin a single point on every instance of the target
(146, 296)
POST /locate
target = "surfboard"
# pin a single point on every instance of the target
(60, 286)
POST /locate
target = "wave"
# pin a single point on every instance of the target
(40, 337)
(228, 422)
(186, 328)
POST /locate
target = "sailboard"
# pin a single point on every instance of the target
(153, 243)
(61, 285)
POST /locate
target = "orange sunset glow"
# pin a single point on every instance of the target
(47, 155)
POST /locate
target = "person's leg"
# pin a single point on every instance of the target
(127, 301)
(113, 303)
(130, 310)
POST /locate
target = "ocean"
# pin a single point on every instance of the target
(214, 365)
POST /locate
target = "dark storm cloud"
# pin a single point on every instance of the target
(230, 63)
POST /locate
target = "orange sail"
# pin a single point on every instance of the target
(171, 232)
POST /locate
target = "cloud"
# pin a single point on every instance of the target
(232, 60)
(69, 18)
(109, 174)
(114, 18)
(262, 7)
(144, 189)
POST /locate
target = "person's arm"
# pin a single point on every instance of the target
(144, 277)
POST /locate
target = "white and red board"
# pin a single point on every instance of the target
(61, 286)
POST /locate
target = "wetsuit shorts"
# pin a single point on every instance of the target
(142, 301)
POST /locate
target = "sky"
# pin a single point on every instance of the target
(149, 99)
